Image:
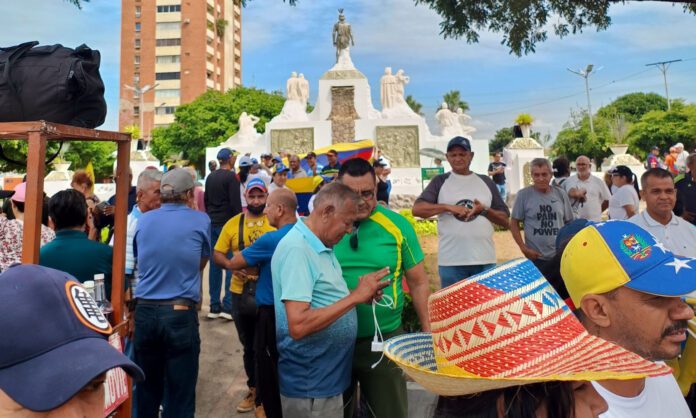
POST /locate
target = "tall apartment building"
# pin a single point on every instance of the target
(182, 48)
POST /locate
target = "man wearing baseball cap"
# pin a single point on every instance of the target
(171, 246)
(54, 352)
(223, 200)
(467, 205)
(238, 233)
(632, 297)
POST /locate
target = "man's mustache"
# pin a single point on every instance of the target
(678, 326)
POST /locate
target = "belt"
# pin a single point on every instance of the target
(176, 303)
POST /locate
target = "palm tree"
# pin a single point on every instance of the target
(454, 101)
(414, 105)
(77, 2)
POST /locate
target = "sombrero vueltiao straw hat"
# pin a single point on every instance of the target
(508, 327)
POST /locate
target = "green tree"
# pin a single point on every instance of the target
(664, 129)
(101, 154)
(77, 3)
(633, 106)
(414, 104)
(454, 101)
(210, 120)
(523, 24)
(502, 137)
(575, 138)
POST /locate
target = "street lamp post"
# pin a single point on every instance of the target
(586, 74)
(141, 96)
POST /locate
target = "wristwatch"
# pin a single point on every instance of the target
(484, 213)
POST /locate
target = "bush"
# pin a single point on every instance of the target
(423, 227)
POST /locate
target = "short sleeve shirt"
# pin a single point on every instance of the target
(543, 214)
(498, 178)
(260, 253)
(169, 245)
(11, 235)
(624, 195)
(455, 234)
(229, 240)
(385, 239)
(597, 193)
(678, 235)
(304, 270)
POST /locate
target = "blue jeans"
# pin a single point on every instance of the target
(502, 191)
(215, 277)
(167, 346)
(450, 275)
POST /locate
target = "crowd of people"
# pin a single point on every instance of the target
(580, 328)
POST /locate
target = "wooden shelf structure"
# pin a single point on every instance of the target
(37, 134)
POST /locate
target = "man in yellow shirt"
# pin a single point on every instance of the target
(238, 233)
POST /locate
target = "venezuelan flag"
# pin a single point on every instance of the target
(346, 150)
(304, 189)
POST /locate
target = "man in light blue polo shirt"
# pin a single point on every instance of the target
(167, 343)
(316, 324)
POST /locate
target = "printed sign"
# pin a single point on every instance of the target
(429, 172)
(116, 384)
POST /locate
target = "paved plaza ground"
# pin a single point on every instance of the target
(221, 379)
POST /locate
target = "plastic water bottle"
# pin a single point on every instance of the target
(89, 287)
(100, 295)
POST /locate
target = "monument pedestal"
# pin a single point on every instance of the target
(517, 155)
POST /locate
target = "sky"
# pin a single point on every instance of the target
(278, 38)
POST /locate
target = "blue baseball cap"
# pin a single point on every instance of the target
(280, 167)
(54, 338)
(256, 183)
(607, 255)
(459, 141)
(277, 159)
(225, 154)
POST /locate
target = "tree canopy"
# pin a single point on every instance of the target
(414, 104)
(211, 119)
(523, 24)
(664, 129)
(454, 100)
(633, 106)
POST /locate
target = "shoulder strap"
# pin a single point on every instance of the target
(240, 234)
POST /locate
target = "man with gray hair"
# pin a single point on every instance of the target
(589, 195)
(167, 342)
(544, 210)
(316, 321)
(682, 155)
(296, 171)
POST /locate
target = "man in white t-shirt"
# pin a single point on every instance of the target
(627, 287)
(660, 195)
(682, 155)
(589, 195)
(466, 204)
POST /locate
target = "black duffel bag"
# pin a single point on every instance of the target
(52, 83)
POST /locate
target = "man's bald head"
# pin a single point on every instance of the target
(284, 197)
(281, 207)
(583, 166)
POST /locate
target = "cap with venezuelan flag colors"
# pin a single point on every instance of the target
(607, 255)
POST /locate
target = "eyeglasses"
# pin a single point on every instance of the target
(354, 236)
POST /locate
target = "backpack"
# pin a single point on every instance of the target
(52, 83)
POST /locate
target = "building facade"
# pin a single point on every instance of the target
(172, 51)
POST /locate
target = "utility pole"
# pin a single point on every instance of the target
(586, 74)
(140, 92)
(663, 66)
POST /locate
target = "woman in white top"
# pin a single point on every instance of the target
(624, 201)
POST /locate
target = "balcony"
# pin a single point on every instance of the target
(209, 83)
(209, 49)
(209, 66)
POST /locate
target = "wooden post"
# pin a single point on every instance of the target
(36, 158)
(119, 258)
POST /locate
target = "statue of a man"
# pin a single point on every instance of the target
(292, 88)
(303, 84)
(342, 35)
(401, 81)
(388, 89)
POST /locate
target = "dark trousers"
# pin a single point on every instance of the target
(267, 385)
(215, 281)
(245, 325)
(383, 387)
(167, 346)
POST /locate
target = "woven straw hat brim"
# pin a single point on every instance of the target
(414, 354)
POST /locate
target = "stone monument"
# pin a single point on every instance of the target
(517, 155)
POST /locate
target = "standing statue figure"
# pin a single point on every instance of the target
(463, 119)
(292, 87)
(342, 35)
(388, 89)
(246, 126)
(449, 123)
(303, 85)
(401, 81)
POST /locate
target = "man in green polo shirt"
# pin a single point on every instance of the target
(71, 251)
(381, 238)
